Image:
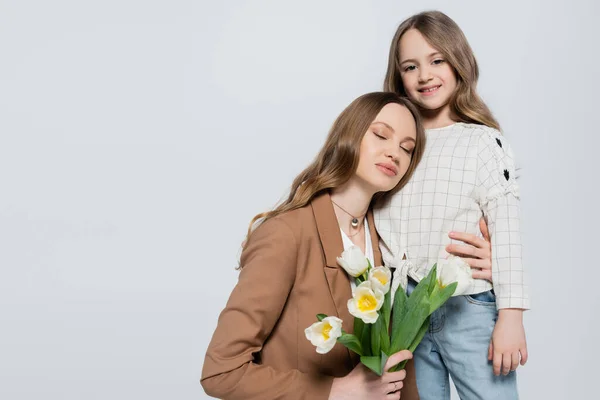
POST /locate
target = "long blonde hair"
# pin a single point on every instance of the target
(445, 35)
(338, 159)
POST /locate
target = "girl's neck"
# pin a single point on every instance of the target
(439, 118)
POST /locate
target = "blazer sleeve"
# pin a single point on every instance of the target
(267, 276)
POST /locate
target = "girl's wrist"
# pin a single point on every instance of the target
(513, 314)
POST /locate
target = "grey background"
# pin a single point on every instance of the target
(138, 138)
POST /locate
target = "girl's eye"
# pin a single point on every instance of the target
(410, 68)
(439, 61)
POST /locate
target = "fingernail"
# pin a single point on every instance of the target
(452, 234)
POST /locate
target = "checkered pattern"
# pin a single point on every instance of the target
(467, 170)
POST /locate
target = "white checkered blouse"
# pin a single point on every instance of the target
(467, 170)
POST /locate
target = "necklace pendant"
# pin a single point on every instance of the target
(354, 222)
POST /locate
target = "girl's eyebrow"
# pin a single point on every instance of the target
(435, 53)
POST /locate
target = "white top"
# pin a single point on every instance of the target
(368, 248)
(467, 170)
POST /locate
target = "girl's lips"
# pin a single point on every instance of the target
(429, 91)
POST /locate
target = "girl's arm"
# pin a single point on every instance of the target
(499, 200)
(498, 197)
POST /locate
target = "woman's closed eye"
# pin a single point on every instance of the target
(408, 151)
(379, 135)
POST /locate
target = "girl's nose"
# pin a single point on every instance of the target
(424, 74)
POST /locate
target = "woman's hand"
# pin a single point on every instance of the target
(363, 384)
(476, 252)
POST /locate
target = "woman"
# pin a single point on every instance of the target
(289, 271)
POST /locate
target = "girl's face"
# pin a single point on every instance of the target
(386, 148)
(428, 78)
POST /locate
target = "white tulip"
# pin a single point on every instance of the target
(380, 278)
(454, 269)
(353, 261)
(365, 303)
(324, 334)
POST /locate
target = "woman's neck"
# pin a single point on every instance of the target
(350, 201)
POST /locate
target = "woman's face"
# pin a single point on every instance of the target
(386, 148)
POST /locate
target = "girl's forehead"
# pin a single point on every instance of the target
(413, 42)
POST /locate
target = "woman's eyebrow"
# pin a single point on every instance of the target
(383, 123)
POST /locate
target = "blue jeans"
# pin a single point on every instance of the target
(456, 345)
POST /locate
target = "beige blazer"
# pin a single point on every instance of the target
(290, 274)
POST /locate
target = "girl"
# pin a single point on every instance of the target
(289, 271)
(467, 171)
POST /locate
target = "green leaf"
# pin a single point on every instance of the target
(416, 311)
(376, 335)
(373, 363)
(413, 345)
(351, 342)
(384, 358)
(422, 287)
(385, 341)
(398, 310)
(420, 335)
(321, 317)
(386, 309)
(432, 278)
(365, 339)
(439, 297)
(359, 325)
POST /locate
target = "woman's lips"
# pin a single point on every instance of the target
(387, 169)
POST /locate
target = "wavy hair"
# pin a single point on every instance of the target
(444, 35)
(337, 160)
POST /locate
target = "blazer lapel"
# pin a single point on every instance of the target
(331, 240)
(333, 246)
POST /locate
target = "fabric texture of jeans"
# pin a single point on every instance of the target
(456, 345)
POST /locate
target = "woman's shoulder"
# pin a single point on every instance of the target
(293, 221)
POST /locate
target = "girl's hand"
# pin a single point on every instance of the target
(508, 347)
(363, 384)
(476, 252)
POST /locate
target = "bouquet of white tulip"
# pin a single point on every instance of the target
(380, 327)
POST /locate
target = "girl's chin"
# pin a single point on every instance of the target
(432, 105)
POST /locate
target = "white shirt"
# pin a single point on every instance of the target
(467, 171)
